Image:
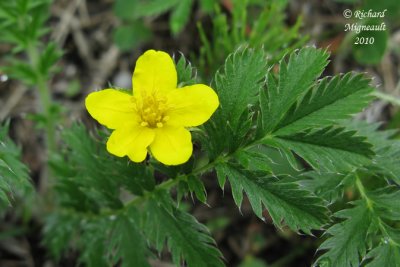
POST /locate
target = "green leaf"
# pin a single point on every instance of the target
(238, 84)
(59, 230)
(386, 163)
(180, 16)
(92, 242)
(128, 242)
(330, 149)
(186, 238)
(294, 80)
(83, 173)
(284, 199)
(14, 177)
(49, 56)
(253, 159)
(197, 186)
(186, 73)
(331, 100)
(387, 254)
(20, 70)
(130, 36)
(347, 242)
(386, 202)
(207, 5)
(329, 186)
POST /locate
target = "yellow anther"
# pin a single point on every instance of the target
(152, 109)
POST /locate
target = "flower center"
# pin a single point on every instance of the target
(151, 109)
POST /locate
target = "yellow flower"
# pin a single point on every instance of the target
(156, 115)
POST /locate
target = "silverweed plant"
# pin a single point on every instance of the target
(116, 191)
(292, 111)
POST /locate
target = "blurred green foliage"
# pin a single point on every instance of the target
(14, 175)
(134, 15)
(22, 24)
(32, 60)
(257, 24)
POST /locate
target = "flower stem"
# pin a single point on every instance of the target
(45, 104)
(44, 97)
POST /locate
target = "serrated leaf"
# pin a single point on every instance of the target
(329, 186)
(83, 173)
(238, 83)
(332, 99)
(347, 242)
(386, 162)
(20, 70)
(197, 186)
(385, 255)
(329, 149)
(186, 238)
(48, 58)
(284, 200)
(186, 73)
(14, 177)
(128, 242)
(386, 202)
(254, 160)
(59, 230)
(92, 245)
(294, 79)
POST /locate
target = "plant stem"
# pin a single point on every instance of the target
(45, 99)
(361, 189)
(389, 98)
(45, 110)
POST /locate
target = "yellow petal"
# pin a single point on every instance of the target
(111, 107)
(191, 105)
(154, 71)
(131, 140)
(172, 145)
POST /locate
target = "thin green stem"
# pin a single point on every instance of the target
(363, 193)
(45, 99)
(45, 105)
(389, 98)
